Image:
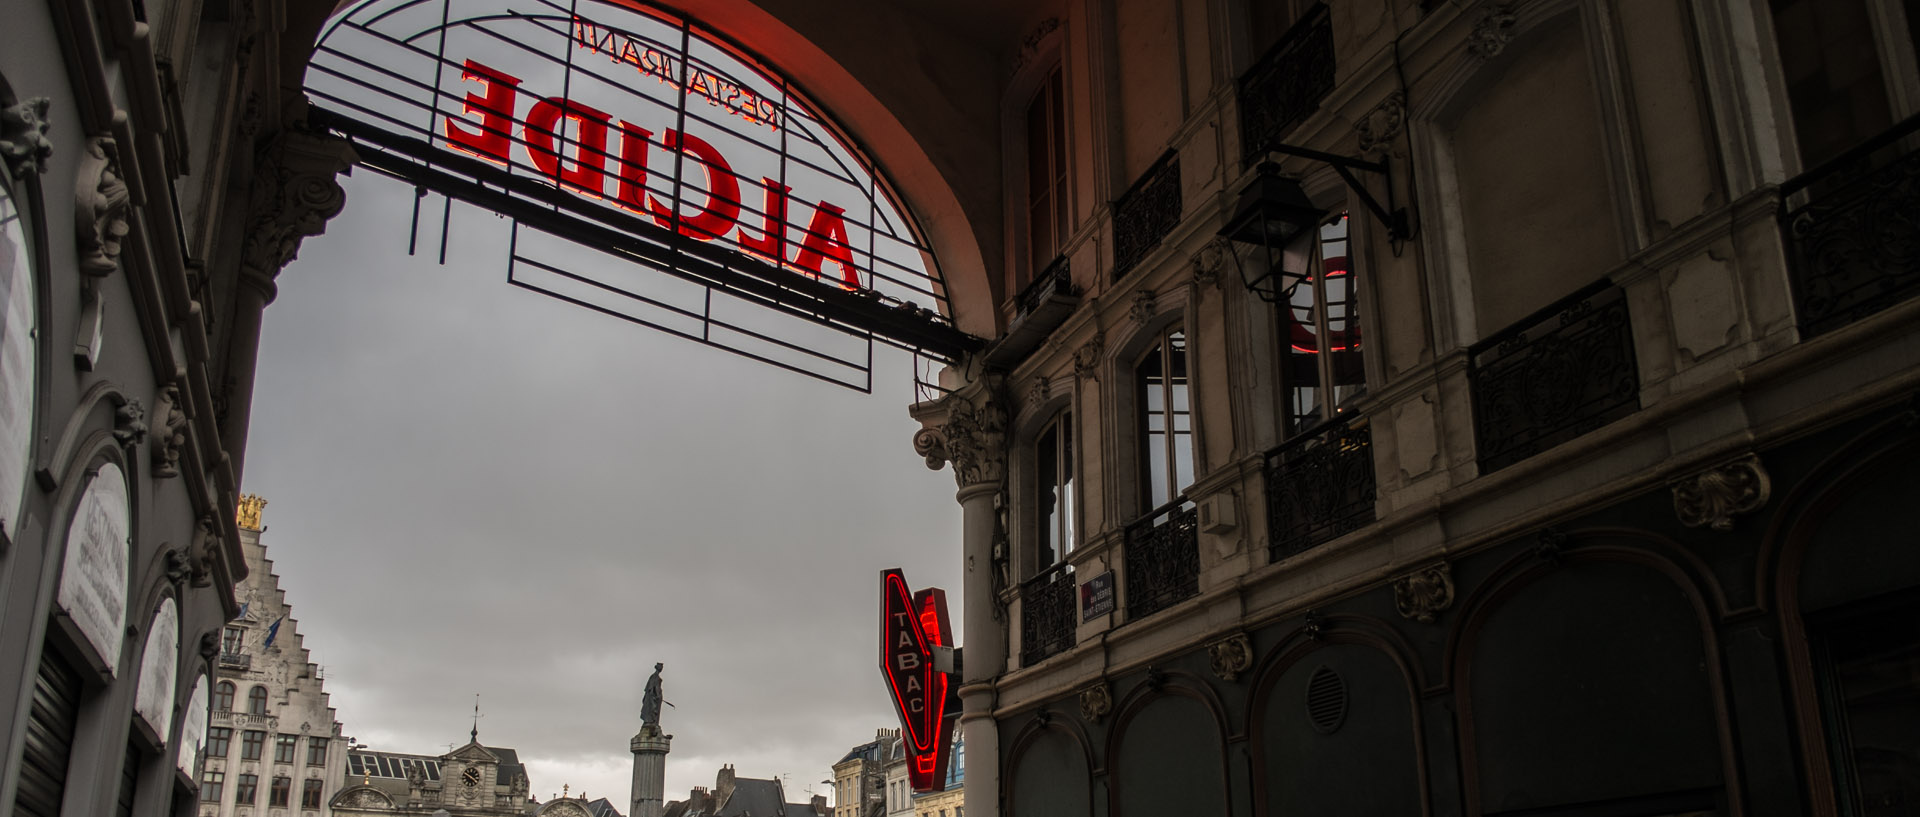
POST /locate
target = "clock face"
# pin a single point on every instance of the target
(471, 776)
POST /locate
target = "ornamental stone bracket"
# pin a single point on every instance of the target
(171, 415)
(1231, 656)
(1713, 497)
(101, 206)
(295, 192)
(1425, 593)
(23, 136)
(967, 428)
(1096, 702)
(1382, 125)
(1086, 359)
(1208, 262)
(1492, 31)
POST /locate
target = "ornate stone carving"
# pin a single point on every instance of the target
(209, 645)
(171, 413)
(1030, 48)
(1314, 629)
(1424, 593)
(200, 552)
(1713, 497)
(1086, 359)
(101, 204)
(130, 423)
(1039, 391)
(1231, 656)
(973, 438)
(294, 193)
(1142, 309)
(177, 565)
(1382, 125)
(365, 797)
(1492, 31)
(1096, 702)
(247, 516)
(1551, 546)
(23, 136)
(1208, 262)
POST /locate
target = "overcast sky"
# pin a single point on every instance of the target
(477, 489)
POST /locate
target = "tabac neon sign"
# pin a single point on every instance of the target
(914, 628)
(639, 134)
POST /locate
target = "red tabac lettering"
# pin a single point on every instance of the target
(722, 209)
(827, 238)
(495, 107)
(588, 173)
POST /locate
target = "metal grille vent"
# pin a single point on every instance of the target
(1326, 700)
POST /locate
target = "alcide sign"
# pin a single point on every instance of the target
(913, 626)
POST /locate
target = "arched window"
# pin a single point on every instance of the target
(257, 701)
(223, 697)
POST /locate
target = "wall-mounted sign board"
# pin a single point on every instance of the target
(721, 205)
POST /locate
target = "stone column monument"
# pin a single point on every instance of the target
(650, 749)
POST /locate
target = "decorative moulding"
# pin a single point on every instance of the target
(1231, 656)
(1713, 497)
(23, 136)
(1096, 702)
(1425, 593)
(1492, 31)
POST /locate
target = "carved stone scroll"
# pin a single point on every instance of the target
(23, 136)
(172, 415)
(1425, 593)
(1231, 656)
(1096, 702)
(101, 206)
(973, 438)
(295, 192)
(1711, 498)
(1492, 31)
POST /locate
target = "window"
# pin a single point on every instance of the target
(217, 739)
(211, 784)
(233, 641)
(246, 789)
(1320, 331)
(1053, 471)
(316, 751)
(223, 697)
(310, 793)
(1166, 424)
(1048, 216)
(257, 701)
(251, 742)
(1867, 665)
(283, 747)
(1836, 77)
(281, 791)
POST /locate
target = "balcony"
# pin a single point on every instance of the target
(1564, 371)
(1146, 213)
(1852, 228)
(1039, 309)
(1286, 85)
(1319, 487)
(1047, 617)
(236, 660)
(1163, 559)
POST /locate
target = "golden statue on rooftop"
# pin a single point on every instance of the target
(249, 515)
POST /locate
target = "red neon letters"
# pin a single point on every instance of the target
(911, 626)
(585, 171)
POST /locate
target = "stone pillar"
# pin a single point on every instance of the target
(294, 193)
(650, 749)
(968, 429)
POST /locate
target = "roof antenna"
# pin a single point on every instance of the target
(476, 718)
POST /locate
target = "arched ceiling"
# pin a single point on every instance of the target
(915, 82)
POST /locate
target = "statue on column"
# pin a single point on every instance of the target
(651, 699)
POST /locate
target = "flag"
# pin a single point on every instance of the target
(243, 611)
(273, 630)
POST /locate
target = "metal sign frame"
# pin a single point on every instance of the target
(913, 627)
(604, 129)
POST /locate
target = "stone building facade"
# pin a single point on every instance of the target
(274, 747)
(860, 778)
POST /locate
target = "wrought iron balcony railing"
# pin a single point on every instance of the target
(236, 660)
(1055, 281)
(1146, 213)
(1046, 615)
(1287, 84)
(1564, 371)
(1319, 486)
(1852, 230)
(1163, 559)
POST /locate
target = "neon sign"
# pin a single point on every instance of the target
(635, 132)
(913, 625)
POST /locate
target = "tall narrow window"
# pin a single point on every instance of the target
(310, 793)
(251, 742)
(257, 701)
(1048, 219)
(1166, 423)
(211, 784)
(223, 697)
(1053, 461)
(1835, 81)
(316, 751)
(218, 737)
(1320, 331)
(283, 748)
(232, 641)
(281, 792)
(246, 789)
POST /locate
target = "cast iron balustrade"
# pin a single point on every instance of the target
(1163, 559)
(1564, 371)
(1286, 85)
(1854, 242)
(1046, 615)
(236, 659)
(1319, 486)
(1056, 280)
(1146, 213)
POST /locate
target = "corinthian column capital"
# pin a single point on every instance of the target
(295, 192)
(968, 428)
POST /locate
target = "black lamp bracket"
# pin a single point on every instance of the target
(1392, 215)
